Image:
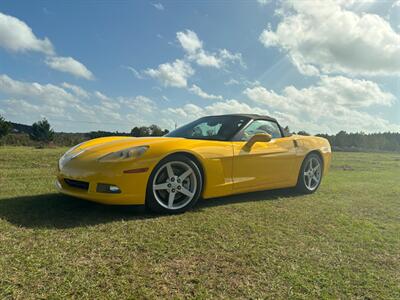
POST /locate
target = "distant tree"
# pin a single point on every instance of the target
(152, 130)
(360, 141)
(155, 130)
(286, 129)
(99, 134)
(69, 139)
(135, 131)
(302, 132)
(144, 131)
(342, 139)
(5, 127)
(42, 132)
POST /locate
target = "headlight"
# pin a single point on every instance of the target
(72, 149)
(68, 155)
(129, 153)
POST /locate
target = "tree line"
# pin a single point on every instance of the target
(360, 141)
(344, 141)
(41, 133)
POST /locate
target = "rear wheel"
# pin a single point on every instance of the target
(174, 185)
(310, 174)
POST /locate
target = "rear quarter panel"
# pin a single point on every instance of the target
(307, 144)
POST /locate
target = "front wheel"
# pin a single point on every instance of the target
(174, 186)
(310, 174)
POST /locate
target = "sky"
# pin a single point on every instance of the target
(321, 66)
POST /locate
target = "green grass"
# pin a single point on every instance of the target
(342, 242)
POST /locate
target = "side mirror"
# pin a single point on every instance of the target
(259, 137)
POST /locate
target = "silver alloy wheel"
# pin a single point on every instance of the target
(312, 173)
(174, 185)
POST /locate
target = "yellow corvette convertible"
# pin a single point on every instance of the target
(211, 157)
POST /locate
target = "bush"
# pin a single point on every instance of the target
(69, 139)
(5, 127)
(152, 130)
(42, 132)
(17, 139)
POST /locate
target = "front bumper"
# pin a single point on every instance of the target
(89, 175)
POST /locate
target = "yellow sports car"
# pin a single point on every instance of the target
(211, 157)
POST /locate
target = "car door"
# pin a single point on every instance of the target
(265, 164)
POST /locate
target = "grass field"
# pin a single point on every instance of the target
(342, 242)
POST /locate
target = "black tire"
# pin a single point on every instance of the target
(303, 185)
(156, 200)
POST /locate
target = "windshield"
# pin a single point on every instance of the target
(219, 128)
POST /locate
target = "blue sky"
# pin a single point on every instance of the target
(319, 66)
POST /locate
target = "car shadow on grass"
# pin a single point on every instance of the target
(247, 197)
(59, 211)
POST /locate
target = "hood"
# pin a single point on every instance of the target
(101, 146)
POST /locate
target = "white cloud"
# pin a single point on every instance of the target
(77, 90)
(108, 111)
(108, 102)
(231, 82)
(324, 36)
(199, 92)
(251, 82)
(185, 113)
(177, 73)
(135, 72)
(338, 90)
(173, 74)
(31, 101)
(335, 103)
(158, 6)
(227, 56)
(396, 4)
(205, 59)
(48, 93)
(17, 36)
(189, 41)
(146, 104)
(101, 96)
(193, 47)
(357, 5)
(263, 2)
(69, 65)
(233, 106)
(22, 107)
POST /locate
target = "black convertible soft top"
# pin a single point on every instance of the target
(260, 117)
(239, 122)
(251, 116)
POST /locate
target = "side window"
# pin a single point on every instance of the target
(204, 129)
(261, 126)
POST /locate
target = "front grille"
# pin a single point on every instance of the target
(83, 185)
